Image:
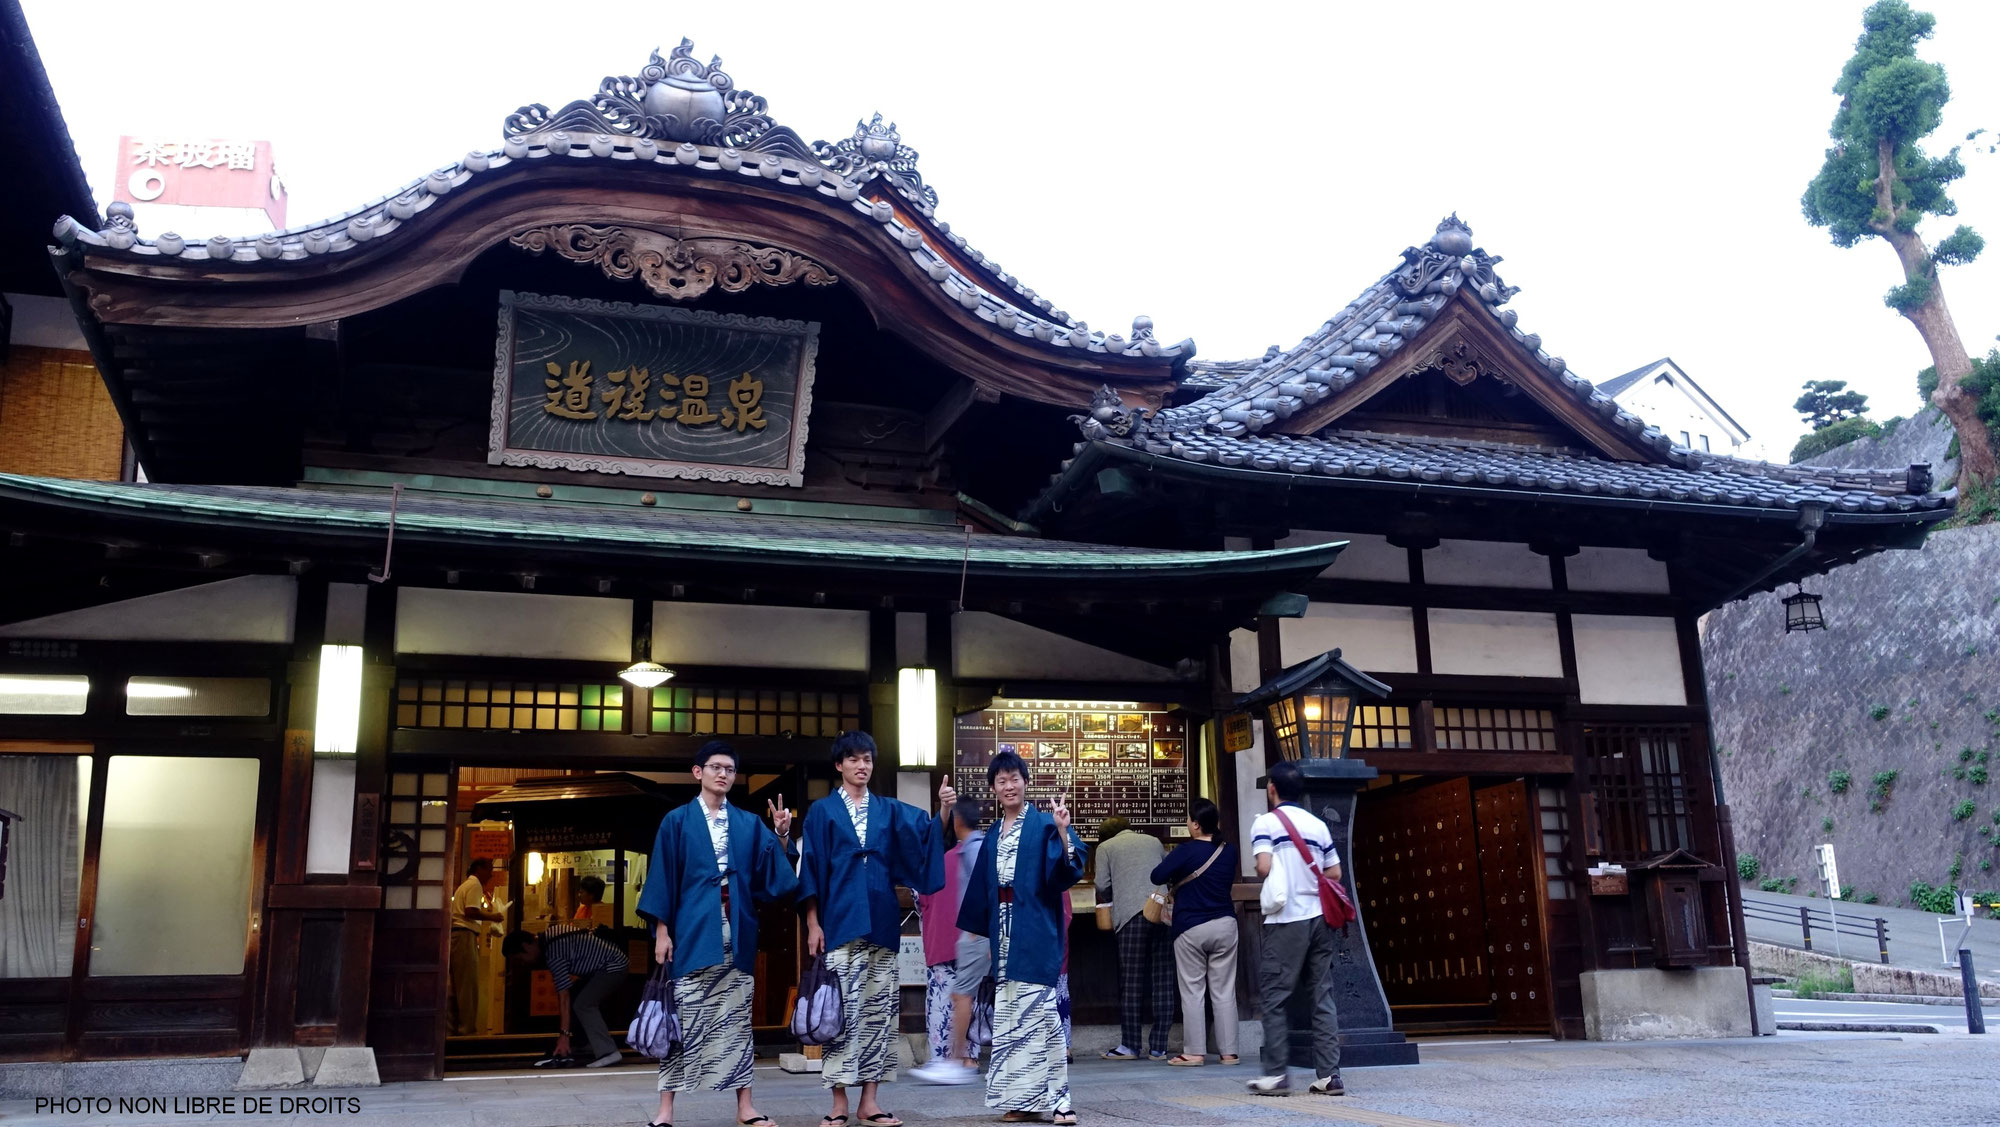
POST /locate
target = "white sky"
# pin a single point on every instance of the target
(1239, 171)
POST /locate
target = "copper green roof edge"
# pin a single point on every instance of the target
(168, 503)
(602, 496)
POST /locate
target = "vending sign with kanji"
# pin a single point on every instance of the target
(646, 390)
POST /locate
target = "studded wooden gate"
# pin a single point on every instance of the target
(1417, 858)
(1510, 879)
(1450, 882)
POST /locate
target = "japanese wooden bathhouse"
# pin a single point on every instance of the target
(658, 381)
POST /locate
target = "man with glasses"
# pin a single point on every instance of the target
(713, 865)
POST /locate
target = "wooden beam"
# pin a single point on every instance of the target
(324, 896)
(951, 407)
(1467, 763)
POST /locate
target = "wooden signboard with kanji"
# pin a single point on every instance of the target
(612, 387)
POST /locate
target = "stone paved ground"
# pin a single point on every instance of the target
(1796, 1079)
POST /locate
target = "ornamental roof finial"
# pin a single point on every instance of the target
(1453, 236)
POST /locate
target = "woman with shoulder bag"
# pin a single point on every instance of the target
(1200, 873)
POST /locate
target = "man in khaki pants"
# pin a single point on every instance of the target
(468, 910)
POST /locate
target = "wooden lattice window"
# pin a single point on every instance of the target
(1381, 726)
(1495, 729)
(718, 710)
(1642, 793)
(542, 706)
(416, 837)
(1552, 805)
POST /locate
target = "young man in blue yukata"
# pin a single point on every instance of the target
(857, 848)
(713, 865)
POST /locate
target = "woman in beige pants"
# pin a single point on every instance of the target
(1200, 872)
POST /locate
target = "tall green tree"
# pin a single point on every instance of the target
(1827, 402)
(1878, 182)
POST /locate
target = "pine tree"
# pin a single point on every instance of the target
(1878, 182)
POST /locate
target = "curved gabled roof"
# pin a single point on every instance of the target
(1278, 414)
(1246, 397)
(685, 128)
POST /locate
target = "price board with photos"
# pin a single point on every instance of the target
(1124, 759)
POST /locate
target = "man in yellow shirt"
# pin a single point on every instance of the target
(469, 909)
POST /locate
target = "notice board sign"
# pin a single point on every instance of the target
(494, 845)
(612, 387)
(1105, 758)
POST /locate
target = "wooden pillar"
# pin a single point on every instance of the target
(941, 655)
(319, 927)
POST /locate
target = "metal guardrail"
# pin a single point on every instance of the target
(1810, 919)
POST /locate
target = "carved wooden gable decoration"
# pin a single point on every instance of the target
(1429, 350)
(1468, 354)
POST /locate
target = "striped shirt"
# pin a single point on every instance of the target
(574, 952)
(1267, 835)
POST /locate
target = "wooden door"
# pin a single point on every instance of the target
(1422, 901)
(410, 975)
(779, 944)
(1510, 877)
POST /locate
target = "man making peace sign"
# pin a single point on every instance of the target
(858, 847)
(1015, 897)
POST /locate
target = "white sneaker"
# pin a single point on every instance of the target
(608, 1059)
(1279, 1085)
(944, 1072)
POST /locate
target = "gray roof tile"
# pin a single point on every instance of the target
(1242, 397)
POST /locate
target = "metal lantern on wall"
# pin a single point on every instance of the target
(1309, 708)
(1802, 612)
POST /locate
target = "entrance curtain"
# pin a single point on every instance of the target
(44, 851)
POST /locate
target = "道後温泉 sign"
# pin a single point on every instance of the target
(646, 390)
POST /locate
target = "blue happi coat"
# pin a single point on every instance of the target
(855, 887)
(1043, 875)
(682, 886)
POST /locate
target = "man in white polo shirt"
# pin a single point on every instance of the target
(1298, 946)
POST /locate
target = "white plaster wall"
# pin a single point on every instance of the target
(1243, 665)
(772, 637)
(330, 822)
(249, 608)
(1375, 638)
(1495, 643)
(914, 787)
(1628, 570)
(1250, 798)
(989, 645)
(1365, 557)
(432, 620)
(1486, 563)
(1627, 659)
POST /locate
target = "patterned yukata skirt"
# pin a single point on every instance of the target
(1029, 1072)
(1063, 1006)
(716, 1052)
(871, 1010)
(937, 1007)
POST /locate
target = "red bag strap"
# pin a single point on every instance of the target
(1292, 832)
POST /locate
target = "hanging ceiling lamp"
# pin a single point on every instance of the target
(645, 674)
